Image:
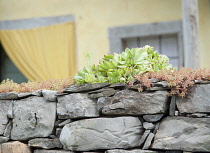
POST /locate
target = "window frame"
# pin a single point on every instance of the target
(117, 34)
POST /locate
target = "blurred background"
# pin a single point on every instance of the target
(51, 39)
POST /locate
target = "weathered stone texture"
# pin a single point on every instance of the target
(197, 101)
(8, 96)
(4, 107)
(14, 147)
(79, 105)
(102, 133)
(45, 143)
(49, 95)
(183, 133)
(33, 117)
(128, 102)
(3, 139)
(153, 118)
(51, 151)
(130, 151)
(85, 87)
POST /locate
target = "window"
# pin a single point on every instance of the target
(165, 37)
(8, 70)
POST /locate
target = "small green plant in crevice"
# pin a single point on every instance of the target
(123, 67)
(180, 81)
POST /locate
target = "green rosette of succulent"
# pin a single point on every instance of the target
(123, 67)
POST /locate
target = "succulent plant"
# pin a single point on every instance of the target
(123, 67)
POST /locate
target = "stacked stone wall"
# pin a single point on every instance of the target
(103, 118)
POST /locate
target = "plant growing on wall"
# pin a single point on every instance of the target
(31, 86)
(123, 67)
(179, 81)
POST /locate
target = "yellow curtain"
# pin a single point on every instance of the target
(42, 53)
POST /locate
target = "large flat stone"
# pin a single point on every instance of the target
(33, 117)
(128, 102)
(196, 101)
(183, 133)
(102, 133)
(45, 143)
(85, 87)
(9, 96)
(130, 151)
(51, 151)
(78, 105)
(4, 108)
(14, 147)
(49, 95)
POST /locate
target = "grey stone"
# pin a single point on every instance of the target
(144, 136)
(7, 130)
(49, 95)
(65, 122)
(153, 118)
(3, 139)
(52, 151)
(176, 113)
(135, 103)
(197, 115)
(8, 96)
(172, 107)
(148, 141)
(102, 133)
(135, 87)
(45, 143)
(63, 117)
(58, 132)
(154, 80)
(118, 85)
(96, 95)
(79, 105)
(130, 151)
(24, 95)
(161, 84)
(52, 136)
(183, 133)
(103, 101)
(157, 88)
(85, 87)
(148, 126)
(156, 128)
(197, 101)
(33, 117)
(57, 122)
(61, 107)
(204, 82)
(104, 92)
(93, 152)
(173, 151)
(37, 93)
(10, 110)
(61, 94)
(4, 107)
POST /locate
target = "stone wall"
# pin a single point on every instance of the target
(105, 118)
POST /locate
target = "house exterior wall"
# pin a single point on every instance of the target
(94, 17)
(204, 32)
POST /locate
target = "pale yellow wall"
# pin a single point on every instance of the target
(94, 17)
(204, 32)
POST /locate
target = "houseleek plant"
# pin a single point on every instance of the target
(123, 67)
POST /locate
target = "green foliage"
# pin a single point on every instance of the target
(123, 67)
(31, 86)
(180, 81)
